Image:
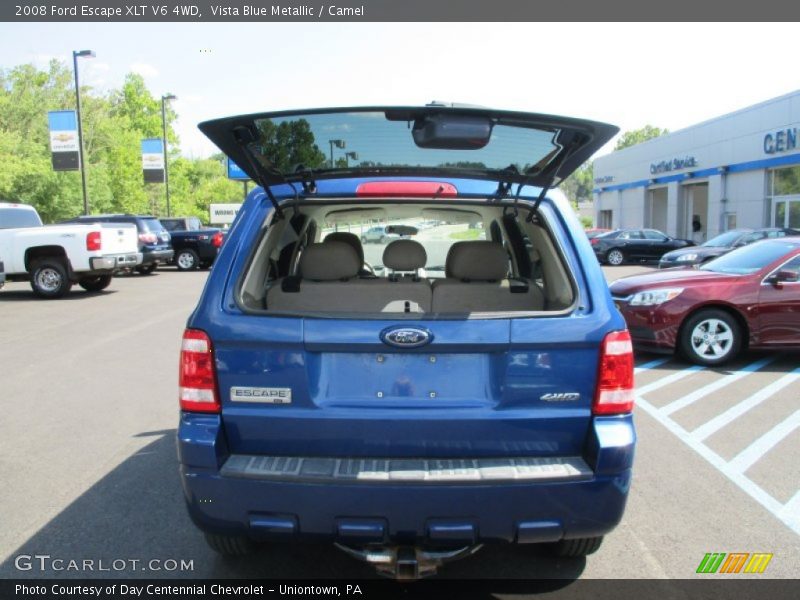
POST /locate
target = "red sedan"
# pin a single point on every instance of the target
(749, 298)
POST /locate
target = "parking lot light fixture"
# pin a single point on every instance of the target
(350, 155)
(76, 54)
(339, 144)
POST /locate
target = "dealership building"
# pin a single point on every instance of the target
(738, 170)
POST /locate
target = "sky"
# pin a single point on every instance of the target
(669, 75)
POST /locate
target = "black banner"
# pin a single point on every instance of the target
(710, 588)
(148, 11)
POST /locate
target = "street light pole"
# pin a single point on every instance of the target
(339, 144)
(164, 100)
(75, 55)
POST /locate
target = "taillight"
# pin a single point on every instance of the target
(216, 240)
(148, 238)
(198, 376)
(93, 241)
(594, 241)
(406, 188)
(615, 393)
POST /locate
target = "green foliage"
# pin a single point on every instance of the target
(113, 126)
(637, 136)
(587, 222)
(289, 145)
(578, 186)
(467, 234)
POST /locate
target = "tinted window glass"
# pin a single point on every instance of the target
(749, 259)
(724, 240)
(435, 238)
(172, 225)
(751, 237)
(792, 265)
(12, 218)
(153, 225)
(652, 234)
(786, 181)
(385, 139)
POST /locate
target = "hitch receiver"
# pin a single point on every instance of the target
(406, 563)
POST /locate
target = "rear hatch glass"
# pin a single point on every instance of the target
(435, 140)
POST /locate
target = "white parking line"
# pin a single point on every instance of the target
(669, 379)
(750, 455)
(738, 410)
(791, 510)
(651, 365)
(787, 514)
(704, 391)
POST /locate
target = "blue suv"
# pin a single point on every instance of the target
(469, 383)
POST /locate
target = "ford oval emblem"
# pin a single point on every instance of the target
(406, 337)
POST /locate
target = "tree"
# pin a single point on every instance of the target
(114, 124)
(579, 185)
(637, 136)
(289, 145)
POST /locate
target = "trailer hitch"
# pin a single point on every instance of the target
(407, 562)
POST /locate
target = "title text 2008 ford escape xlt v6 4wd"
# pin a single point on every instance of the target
(467, 383)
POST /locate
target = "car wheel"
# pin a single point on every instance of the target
(230, 545)
(577, 547)
(710, 337)
(146, 269)
(187, 260)
(95, 284)
(615, 257)
(49, 280)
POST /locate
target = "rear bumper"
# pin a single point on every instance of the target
(115, 261)
(157, 256)
(589, 503)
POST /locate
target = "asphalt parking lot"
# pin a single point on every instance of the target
(89, 468)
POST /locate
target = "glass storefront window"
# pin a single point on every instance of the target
(785, 182)
(794, 215)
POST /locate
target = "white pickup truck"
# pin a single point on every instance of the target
(54, 257)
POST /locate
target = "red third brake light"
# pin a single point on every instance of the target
(615, 394)
(198, 374)
(428, 189)
(93, 241)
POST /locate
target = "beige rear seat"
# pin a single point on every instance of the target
(329, 282)
(477, 281)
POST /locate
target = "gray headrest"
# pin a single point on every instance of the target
(330, 261)
(477, 261)
(404, 255)
(347, 238)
